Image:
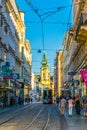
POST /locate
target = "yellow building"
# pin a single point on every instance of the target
(60, 72)
(52, 84)
(45, 72)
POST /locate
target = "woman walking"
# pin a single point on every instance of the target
(62, 105)
(70, 106)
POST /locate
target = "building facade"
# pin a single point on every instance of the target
(58, 73)
(15, 49)
(77, 49)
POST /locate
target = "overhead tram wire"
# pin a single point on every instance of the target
(36, 12)
(47, 14)
(62, 6)
(45, 49)
(54, 7)
(47, 22)
(69, 18)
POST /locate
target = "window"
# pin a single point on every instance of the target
(0, 52)
(1, 21)
(22, 72)
(5, 56)
(5, 30)
(22, 52)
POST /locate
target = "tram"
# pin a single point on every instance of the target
(47, 96)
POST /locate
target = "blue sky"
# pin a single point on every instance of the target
(56, 16)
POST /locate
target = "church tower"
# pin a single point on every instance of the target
(45, 72)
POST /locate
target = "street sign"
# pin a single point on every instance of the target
(71, 73)
(16, 76)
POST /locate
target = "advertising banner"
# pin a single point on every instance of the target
(84, 75)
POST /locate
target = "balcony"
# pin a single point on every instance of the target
(81, 32)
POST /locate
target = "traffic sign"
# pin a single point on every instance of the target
(16, 76)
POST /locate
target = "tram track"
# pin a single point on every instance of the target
(40, 118)
(47, 122)
(63, 121)
(37, 119)
(17, 113)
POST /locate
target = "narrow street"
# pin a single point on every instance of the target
(43, 64)
(38, 116)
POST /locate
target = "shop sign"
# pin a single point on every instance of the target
(12, 76)
(8, 77)
(84, 75)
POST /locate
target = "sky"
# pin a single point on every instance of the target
(46, 24)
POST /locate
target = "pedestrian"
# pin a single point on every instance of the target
(62, 105)
(85, 106)
(70, 106)
(57, 100)
(77, 105)
(19, 100)
(16, 100)
(11, 101)
(31, 99)
(5, 101)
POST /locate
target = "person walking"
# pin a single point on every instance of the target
(62, 105)
(16, 100)
(85, 106)
(57, 100)
(70, 106)
(77, 105)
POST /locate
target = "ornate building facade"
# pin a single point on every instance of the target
(14, 51)
(58, 73)
(45, 72)
(75, 45)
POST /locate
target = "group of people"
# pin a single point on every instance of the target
(71, 103)
(13, 101)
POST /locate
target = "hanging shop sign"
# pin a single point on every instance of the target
(84, 75)
(12, 76)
